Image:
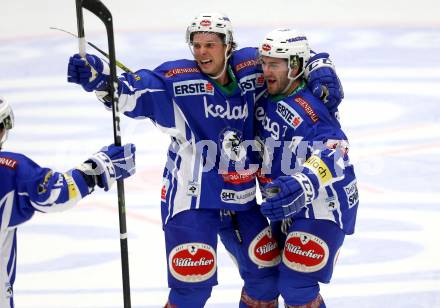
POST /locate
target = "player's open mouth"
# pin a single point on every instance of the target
(205, 62)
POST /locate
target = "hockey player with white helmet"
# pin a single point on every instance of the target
(309, 183)
(26, 188)
(206, 106)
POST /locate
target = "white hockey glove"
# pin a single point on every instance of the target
(110, 164)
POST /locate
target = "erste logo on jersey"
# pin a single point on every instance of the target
(288, 114)
(251, 82)
(192, 262)
(263, 249)
(238, 197)
(193, 87)
(352, 193)
(305, 252)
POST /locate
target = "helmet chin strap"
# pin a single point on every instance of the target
(4, 137)
(224, 65)
(291, 80)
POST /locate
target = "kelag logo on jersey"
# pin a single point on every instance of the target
(193, 87)
(251, 82)
(289, 115)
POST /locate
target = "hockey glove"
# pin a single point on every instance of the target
(91, 73)
(285, 196)
(110, 164)
(323, 81)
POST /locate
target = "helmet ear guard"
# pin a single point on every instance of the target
(6, 119)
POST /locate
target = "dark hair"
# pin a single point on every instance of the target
(220, 35)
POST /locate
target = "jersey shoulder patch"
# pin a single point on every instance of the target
(178, 68)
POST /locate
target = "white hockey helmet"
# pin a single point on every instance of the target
(211, 22)
(286, 44)
(6, 119)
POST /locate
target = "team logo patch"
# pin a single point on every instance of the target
(192, 262)
(193, 189)
(305, 252)
(266, 47)
(288, 114)
(263, 249)
(193, 87)
(205, 23)
(8, 162)
(352, 193)
(9, 292)
(239, 197)
(42, 187)
(231, 145)
(307, 108)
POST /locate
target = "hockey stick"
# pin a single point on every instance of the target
(100, 10)
(118, 64)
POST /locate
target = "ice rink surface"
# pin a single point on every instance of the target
(387, 56)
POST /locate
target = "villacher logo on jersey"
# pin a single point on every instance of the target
(192, 262)
(263, 249)
(305, 252)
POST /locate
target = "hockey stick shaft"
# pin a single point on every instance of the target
(118, 64)
(100, 10)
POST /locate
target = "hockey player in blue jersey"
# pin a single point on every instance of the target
(26, 188)
(309, 184)
(206, 106)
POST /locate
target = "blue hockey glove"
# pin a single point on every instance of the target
(286, 196)
(323, 81)
(110, 164)
(91, 73)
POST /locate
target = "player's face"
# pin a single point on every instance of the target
(209, 52)
(275, 72)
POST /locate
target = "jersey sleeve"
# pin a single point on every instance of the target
(49, 191)
(144, 94)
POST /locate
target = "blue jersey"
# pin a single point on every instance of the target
(211, 129)
(291, 129)
(25, 188)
